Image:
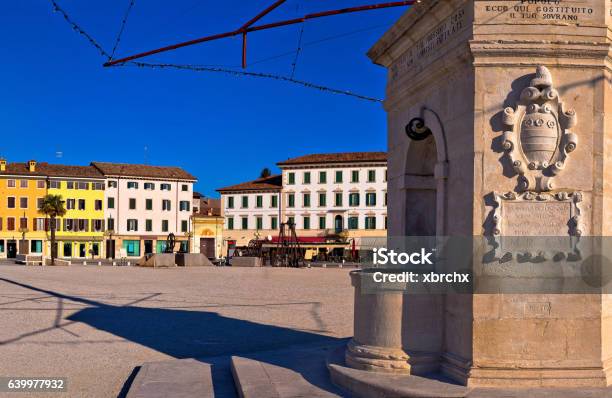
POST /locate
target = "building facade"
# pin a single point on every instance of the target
(321, 194)
(144, 205)
(207, 226)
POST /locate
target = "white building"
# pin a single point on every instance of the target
(144, 204)
(322, 194)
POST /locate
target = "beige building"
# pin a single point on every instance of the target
(335, 195)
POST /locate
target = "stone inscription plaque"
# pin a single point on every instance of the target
(574, 12)
(417, 56)
(532, 218)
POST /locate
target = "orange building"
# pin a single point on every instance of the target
(22, 227)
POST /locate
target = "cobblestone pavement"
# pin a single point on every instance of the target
(95, 324)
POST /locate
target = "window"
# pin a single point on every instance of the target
(68, 224)
(110, 203)
(36, 246)
(353, 222)
(83, 225)
(259, 222)
(370, 223)
(259, 201)
(184, 205)
(230, 223)
(55, 184)
(322, 222)
(164, 225)
(291, 200)
(112, 184)
(165, 187)
(371, 199)
(81, 204)
(132, 247)
(385, 175)
(10, 202)
(23, 223)
(148, 225)
(70, 184)
(385, 201)
(97, 186)
(291, 178)
(245, 222)
(132, 203)
(306, 222)
(10, 224)
(273, 222)
(39, 224)
(385, 222)
(184, 187)
(97, 225)
(274, 201)
(149, 186)
(166, 205)
(95, 249)
(322, 199)
(70, 204)
(338, 176)
(110, 224)
(83, 185)
(149, 204)
(307, 177)
(230, 202)
(371, 175)
(353, 199)
(322, 177)
(98, 204)
(291, 220)
(23, 203)
(245, 202)
(40, 184)
(338, 199)
(132, 185)
(0, 227)
(132, 224)
(306, 200)
(10, 183)
(23, 183)
(355, 176)
(39, 203)
(184, 226)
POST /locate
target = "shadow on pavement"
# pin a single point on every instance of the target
(189, 334)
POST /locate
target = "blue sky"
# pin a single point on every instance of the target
(224, 129)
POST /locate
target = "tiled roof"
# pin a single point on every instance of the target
(274, 182)
(346, 157)
(44, 169)
(142, 170)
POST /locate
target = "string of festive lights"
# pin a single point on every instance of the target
(78, 29)
(122, 28)
(196, 68)
(251, 74)
(297, 52)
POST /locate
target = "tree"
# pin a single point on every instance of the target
(53, 207)
(265, 173)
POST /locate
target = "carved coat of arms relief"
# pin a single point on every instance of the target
(537, 138)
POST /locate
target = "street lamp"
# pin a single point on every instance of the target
(109, 233)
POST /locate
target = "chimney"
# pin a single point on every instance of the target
(2, 164)
(32, 166)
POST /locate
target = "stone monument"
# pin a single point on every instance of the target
(518, 98)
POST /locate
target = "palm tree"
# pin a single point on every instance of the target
(53, 207)
(265, 173)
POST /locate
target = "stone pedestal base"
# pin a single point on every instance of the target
(380, 359)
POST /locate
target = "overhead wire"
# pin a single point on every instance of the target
(122, 28)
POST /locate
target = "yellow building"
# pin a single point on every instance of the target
(80, 233)
(22, 227)
(207, 235)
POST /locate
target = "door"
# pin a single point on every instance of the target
(148, 247)
(110, 248)
(11, 249)
(207, 247)
(82, 251)
(338, 224)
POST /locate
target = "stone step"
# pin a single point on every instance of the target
(179, 378)
(287, 373)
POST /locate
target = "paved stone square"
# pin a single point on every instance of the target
(94, 325)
